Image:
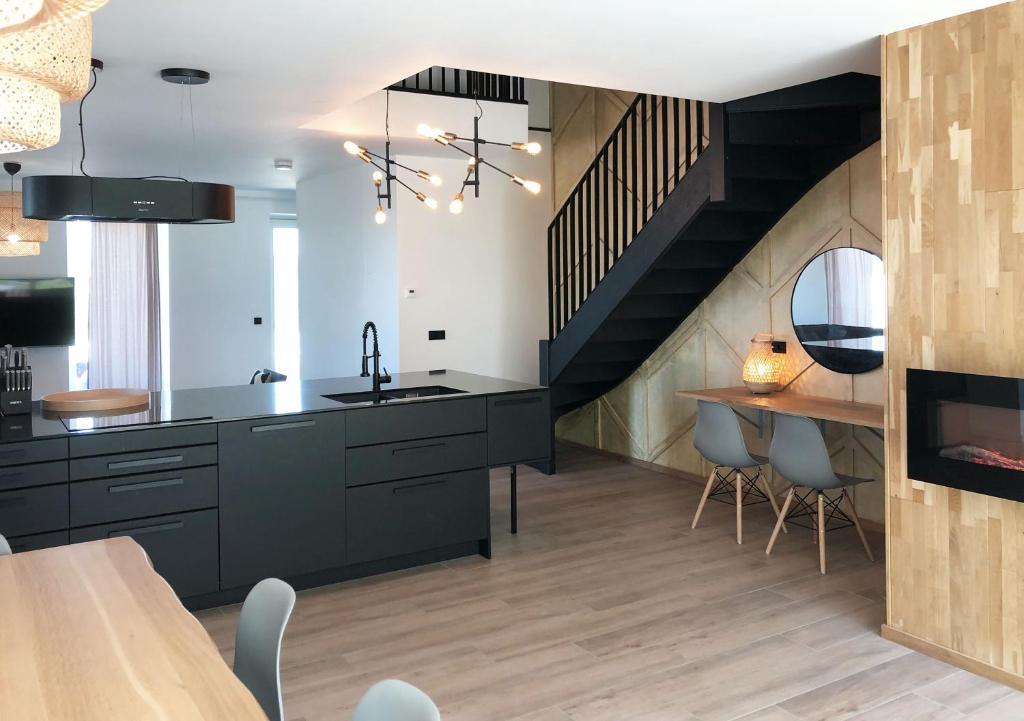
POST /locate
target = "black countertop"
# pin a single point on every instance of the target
(228, 403)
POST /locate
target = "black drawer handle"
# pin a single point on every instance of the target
(414, 449)
(283, 426)
(16, 453)
(146, 485)
(417, 486)
(518, 401)
(13, 502)
(160, 528)
(141, 462)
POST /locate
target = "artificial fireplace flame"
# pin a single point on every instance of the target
(983, 456)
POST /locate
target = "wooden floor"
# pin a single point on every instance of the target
(608, 607)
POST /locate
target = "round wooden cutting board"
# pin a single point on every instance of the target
(99, 399)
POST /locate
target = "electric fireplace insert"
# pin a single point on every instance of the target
(966, 431)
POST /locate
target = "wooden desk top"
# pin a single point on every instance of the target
(91, 631)
(870, 415)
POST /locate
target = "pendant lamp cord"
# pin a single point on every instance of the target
(81, 125)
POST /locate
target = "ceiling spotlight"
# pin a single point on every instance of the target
(282, 164)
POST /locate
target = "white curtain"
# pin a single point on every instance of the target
(124, 307)
(848, 283)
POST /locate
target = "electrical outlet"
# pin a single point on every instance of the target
(435, 335)
(257, 320)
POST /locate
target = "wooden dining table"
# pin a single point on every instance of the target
(90, 631)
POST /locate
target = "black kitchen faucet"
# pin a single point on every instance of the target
(377, 377)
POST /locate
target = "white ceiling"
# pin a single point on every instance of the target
(278, 65)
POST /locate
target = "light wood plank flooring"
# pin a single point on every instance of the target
(607, 607)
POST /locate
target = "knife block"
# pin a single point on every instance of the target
(13, 403)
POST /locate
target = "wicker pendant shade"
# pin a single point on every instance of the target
(18, 250)
(18, 15)
(55, 55)
(762, 370)
(28, 233)
(29, 115)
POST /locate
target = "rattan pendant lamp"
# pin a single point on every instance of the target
(42, 65)
(17, 15)
(19, 236)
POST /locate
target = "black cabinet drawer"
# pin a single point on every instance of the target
(418, 419)
(34, 510)
(518, 428)
(282, 497)
(33, 451)
(97, 444)
(392, 519)
(150, 494)
(38, 541)
(126, 464)
(391, 461)
(34, 474)
(183, 547)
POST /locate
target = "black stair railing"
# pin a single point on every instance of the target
(644, 159)
(458, 83)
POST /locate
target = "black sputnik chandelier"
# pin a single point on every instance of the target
(385, 174)
(474, 161)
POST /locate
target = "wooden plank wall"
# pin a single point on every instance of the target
(953, 183)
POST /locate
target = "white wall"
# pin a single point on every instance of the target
(347, 273)
(480, 276)
(221, 277)
(49, 365)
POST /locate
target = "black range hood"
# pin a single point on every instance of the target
(126, 200)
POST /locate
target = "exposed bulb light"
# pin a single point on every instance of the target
(471, 162)
(380, 217)
(533, 148)
(426, 200)
(530, 185)
(434, 180)
(378, 177)
(351, 148)
(425, 131)
(455, 207)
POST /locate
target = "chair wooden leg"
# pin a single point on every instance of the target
(771, 497)
(856, 524)
(739, 505)
(782, 517)
(821, 532)
(704, 498)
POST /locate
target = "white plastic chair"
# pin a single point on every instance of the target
(5, 547)
(394, 700)
(261, 626)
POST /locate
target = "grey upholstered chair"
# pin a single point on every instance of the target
(5, 547)
(261, 626)
(798, 452)
(719, 439)
(393, 700)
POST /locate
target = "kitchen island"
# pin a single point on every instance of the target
(310, 481)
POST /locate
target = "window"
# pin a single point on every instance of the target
(286, 296)
(80, 259)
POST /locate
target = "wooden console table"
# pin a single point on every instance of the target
(91, 631)
(869, 415)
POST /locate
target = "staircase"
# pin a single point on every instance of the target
(677, 196)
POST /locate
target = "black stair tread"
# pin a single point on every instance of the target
(664, 305)
(751, 195)
(723, 224)
(615, 351)
(635, 330)
(767, 162)
(703, 255)
(809, 128)
(671, 281)
(597, 372)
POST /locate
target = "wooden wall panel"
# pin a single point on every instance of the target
(953, 165)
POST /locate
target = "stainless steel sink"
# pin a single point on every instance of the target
(393, 394)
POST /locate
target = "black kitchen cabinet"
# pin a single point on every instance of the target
(282, 497)
(518, 428)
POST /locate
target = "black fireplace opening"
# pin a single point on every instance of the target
(966, 431)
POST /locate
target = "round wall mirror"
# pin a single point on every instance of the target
(838, 310)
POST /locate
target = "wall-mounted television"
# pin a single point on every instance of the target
(37, 311)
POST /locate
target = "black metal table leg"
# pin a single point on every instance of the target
(514, 500)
